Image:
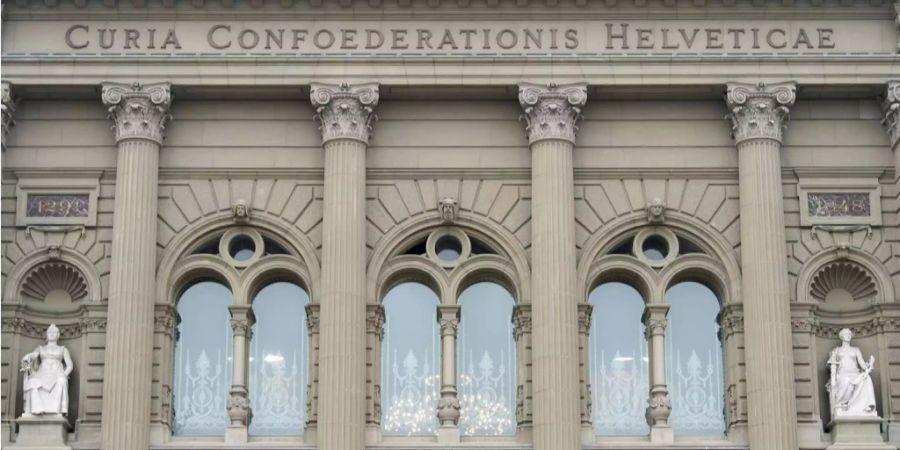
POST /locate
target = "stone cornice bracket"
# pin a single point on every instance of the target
(8, 110)
(345, 111)
(552, 111)
(759, 111)
(891, 108)
(138, 111)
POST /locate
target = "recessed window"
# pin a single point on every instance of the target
(448, 248)
(655, 248)
(242, 248)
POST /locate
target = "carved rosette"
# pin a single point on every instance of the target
(8, 110)
(759, 111)
(448, 410)
(344, 111)
(552, 111)
(891, 107)
(138, 111)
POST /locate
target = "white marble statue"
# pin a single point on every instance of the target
(46, 384)
(851, 388)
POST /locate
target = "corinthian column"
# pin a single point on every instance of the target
(551, 113)
(346, 114)
(139, 114)
(891, 120)
(758, 114)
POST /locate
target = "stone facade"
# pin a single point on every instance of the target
(756, 143)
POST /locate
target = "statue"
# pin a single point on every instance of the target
(46, 384)
(852, 392)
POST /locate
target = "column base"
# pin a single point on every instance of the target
(857, 433)
(662, 434)
(448, 434)
(236, 435)
(42, 433)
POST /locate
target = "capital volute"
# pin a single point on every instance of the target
(242, 319)
(8, 110)
(345, 111)
(891, 107)
(654, 319)
(759, 111)
(552, 111)
(138, 111)
(448, 318)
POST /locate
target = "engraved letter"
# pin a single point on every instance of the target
(623, 36)
(253, 41)
(212, 32)
(771, 43)
(398, 37)
(171, 39)
(825, 35)
(298, 36)
(72, 44)
(374, 39)
(644, 38)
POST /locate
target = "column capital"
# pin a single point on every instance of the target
(448, 318)
(242, 319)
(8, 109)
(891, 108)
(345, 111)
(138, 111)
(552, 111)
(759, 111)
(654, 319)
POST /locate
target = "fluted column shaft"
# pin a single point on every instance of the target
(759, 114)
(139, 114)
(346, 114)
(551, 113)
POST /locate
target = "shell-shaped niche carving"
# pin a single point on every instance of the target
(837, 281)
(47, 282)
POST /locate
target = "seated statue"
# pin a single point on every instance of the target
(46, 384)
(852, 392)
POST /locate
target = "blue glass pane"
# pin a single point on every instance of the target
(279, 356)
(410, 362)
(486, 358)
(202, 361)
(694, 371)
(618, 362)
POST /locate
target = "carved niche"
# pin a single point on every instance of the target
(46, 280)
(842, 284)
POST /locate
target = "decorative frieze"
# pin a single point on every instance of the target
(138, 111)
(345, 111)
(891, 108)
(27, 328)
(7, 110)
(759, 111)
(552, 111)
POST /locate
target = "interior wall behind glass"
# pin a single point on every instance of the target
(410, 361)
(486, 356)
(279, 361)
(694, 370)
(202, 361)
(618, 361)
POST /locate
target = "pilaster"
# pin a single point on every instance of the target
(552, 113)
(139, 114)
(759, 114)
(584, 333)
(374, 335)
(7, 110)
(346, 114)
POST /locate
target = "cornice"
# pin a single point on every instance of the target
(42, 10)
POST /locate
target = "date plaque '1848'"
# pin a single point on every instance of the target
(839, 204)
(58, 205)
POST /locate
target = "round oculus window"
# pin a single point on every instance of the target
(242, 248)
(655, 248)
(448, 248)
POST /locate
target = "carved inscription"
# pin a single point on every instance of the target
(58, 205)
(822, 204)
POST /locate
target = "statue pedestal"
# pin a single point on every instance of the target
(858, 433)
(42, 433)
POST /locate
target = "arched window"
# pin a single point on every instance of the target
(618, 361)
(202, 361)
(694, 371)
(486, 361)
(410, 361)
(279, 356)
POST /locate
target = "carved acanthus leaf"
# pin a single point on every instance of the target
(552, 111)
(344, 111)
(138, 111)
(759, 111)
(891, 108)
